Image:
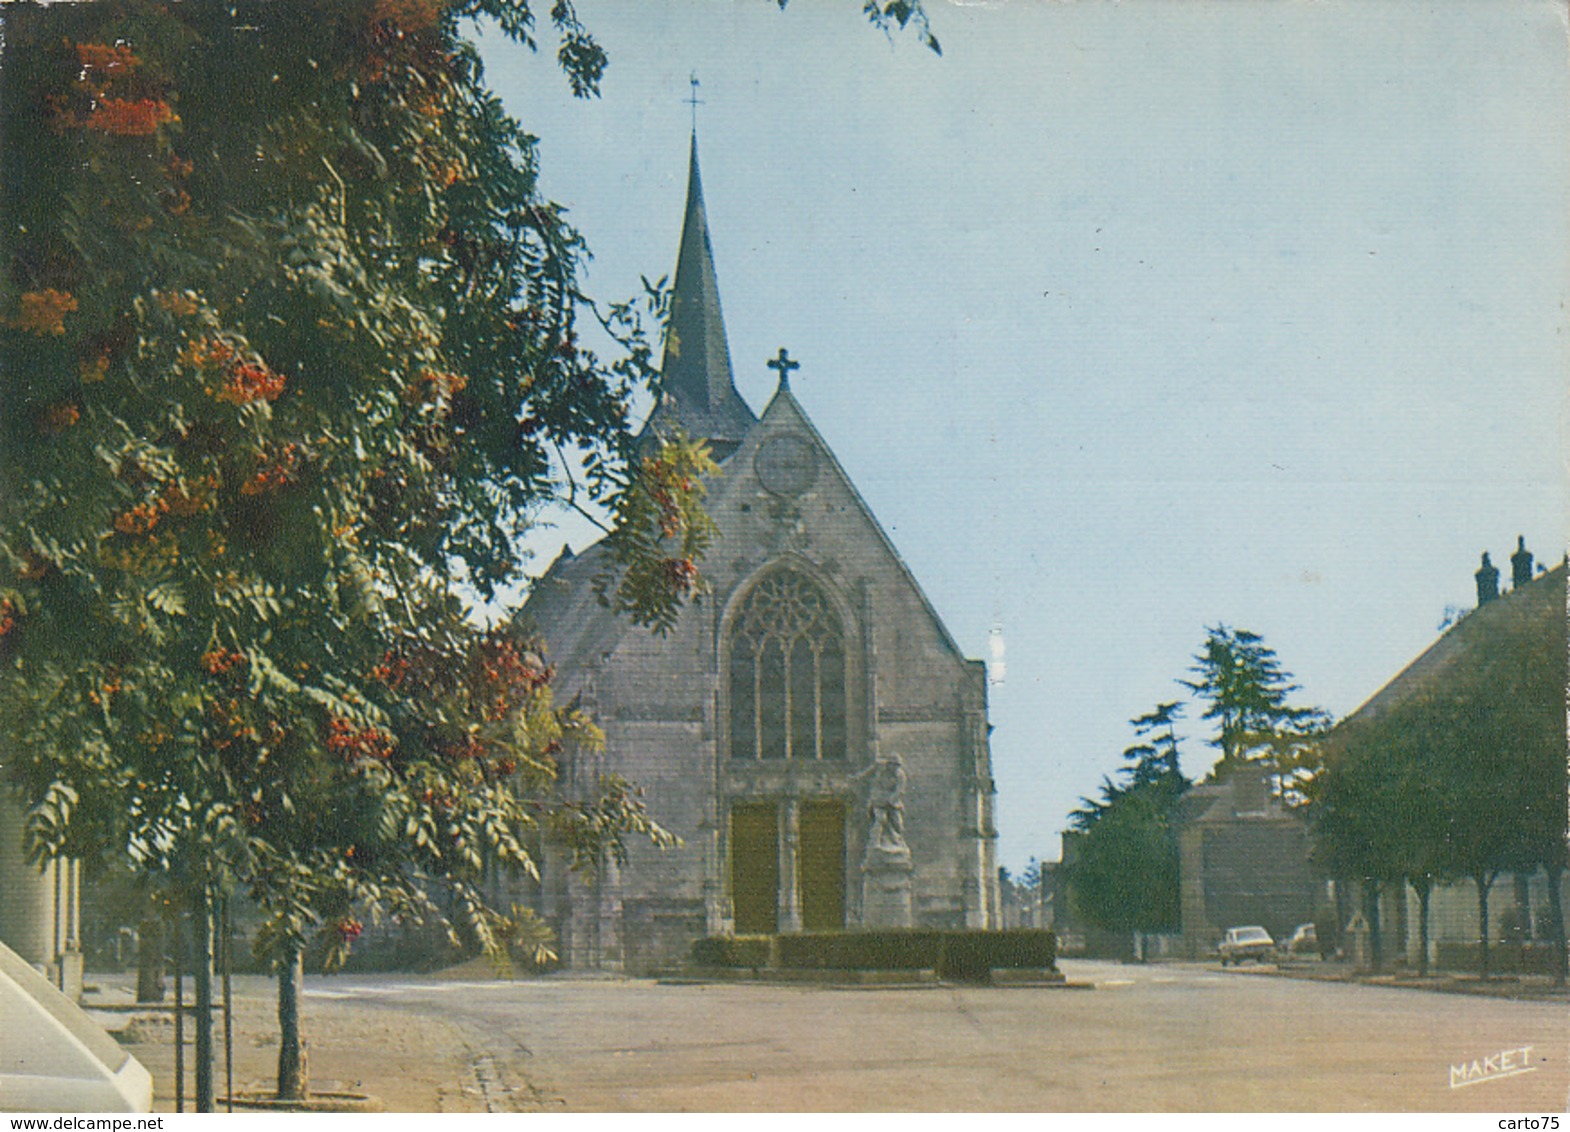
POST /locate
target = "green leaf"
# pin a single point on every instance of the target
(167, 597)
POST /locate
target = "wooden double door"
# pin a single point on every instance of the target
(762, 856)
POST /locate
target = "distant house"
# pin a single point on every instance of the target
(1533, 613)
(1242, 859)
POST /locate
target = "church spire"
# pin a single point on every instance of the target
(698, 394)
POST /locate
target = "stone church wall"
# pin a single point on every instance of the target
(873, 805)
(664, 707)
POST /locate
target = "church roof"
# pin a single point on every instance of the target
(565, 609)
(784, 403)
(697, 393)
(579, 630)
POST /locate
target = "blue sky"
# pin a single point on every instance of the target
(1126, 319)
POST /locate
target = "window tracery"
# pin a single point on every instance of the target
(787, 673)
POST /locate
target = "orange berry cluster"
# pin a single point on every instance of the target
(221, 661)
(181, 303)
(445, 384)
(230, 714)
(104, 67)
(43, 312)
(659, 474)
(109, 688)
(184, 502)
(245, 382)
(176, 499)
(681, 574)
(58, 418)
(509, 677)
(392, 670)
(357, 744)
(128, 117)
(110, 61)
(204, 352)
(472, 747)
(141, 518)
(7, 616)
(274, 475)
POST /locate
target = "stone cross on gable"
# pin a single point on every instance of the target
(783, 365)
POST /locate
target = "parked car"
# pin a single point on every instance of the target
(1304, 941)
(1252, 942)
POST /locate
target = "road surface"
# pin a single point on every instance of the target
(1168, 1037)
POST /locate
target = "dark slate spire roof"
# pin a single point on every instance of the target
(697, 392)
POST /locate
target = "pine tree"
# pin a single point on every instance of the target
(1246, 692)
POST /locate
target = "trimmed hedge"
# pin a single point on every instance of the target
(1504, 958)
(962, 955)
(731, 951)
(862, 950)
(969, 956)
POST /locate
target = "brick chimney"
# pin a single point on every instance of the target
(1487, 582)
(1520, 563)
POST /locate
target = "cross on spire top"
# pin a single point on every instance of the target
(783, 365)
(693, 100)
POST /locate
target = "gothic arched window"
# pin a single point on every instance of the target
(787, 673)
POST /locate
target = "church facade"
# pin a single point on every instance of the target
(809, 729)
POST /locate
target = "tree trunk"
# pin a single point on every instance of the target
(150, 960)
(293, 1083)
(1556, 922)
(202, 1016)
(1343, 915)
(1484, 883)
(1376, 942)
(1425, 889)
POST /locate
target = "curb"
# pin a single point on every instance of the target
(312, 1102)
(870, 979)
(1501, 987)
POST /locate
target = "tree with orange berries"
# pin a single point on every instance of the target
(290, 347)
(292, 352)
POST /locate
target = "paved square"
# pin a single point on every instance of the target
(1172, 1037)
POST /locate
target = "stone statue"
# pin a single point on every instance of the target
(886, 804)
(886, 892)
